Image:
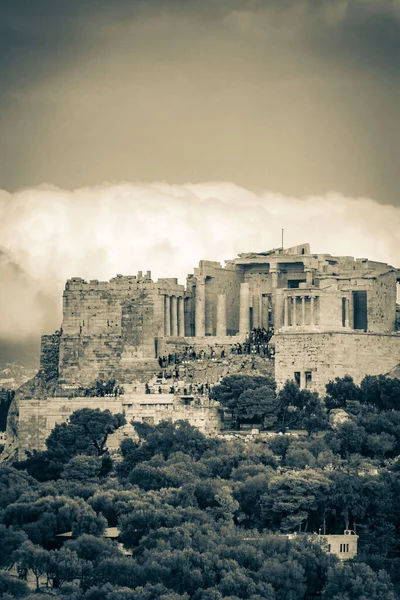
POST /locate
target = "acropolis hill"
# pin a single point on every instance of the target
(329, 316)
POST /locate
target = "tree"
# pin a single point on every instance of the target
(300, 408)
(349, 438)
(41, 465)
(340, 391)
(13, 483)
(299, 458)
(346, 498)
(280, 445)
(288, 397)
(229, 393)
(64, 565)
(248, 494)
(12, 588)
(380, 444)
(258, 404)
(93, 549)
(10, 541)
(89, 523)
(33, 558)
(357, 582)
(45, 517)
(167, 438)
(294, 498)
(82, 468)
(313, 417)
(380, 391)
(86, 433)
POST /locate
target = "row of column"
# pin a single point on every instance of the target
(221, 324)
(259, 319)
(200, 311)
(174, 316)
(292, 305)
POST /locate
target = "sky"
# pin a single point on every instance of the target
(150, 134)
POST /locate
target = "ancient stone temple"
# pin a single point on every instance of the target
(331, 316)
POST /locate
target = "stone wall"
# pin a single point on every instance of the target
(329, 355)
(37, 418)
(110, 329)
(50, 355)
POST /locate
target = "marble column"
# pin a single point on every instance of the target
(167, 316)
(200, 310)
(181, 316)
(303, 311)
(256, 311)
(285, 311)
(244, 323)
(174, 316)
(312, 320)
(347, 320)
(221, 315)
(294, 314)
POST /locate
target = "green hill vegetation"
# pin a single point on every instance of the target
(204, 518)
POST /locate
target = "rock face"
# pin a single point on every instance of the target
(38, 407)
(337, 417)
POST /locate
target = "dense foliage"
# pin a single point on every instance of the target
(205, 518)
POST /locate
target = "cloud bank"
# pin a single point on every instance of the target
(49, 234)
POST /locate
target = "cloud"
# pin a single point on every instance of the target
(49, 234)
(299, 96)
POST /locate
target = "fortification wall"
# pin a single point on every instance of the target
(37, 418)
(330, 355)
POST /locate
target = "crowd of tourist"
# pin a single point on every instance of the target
(186, 389)
(257, 342)
(175, 367)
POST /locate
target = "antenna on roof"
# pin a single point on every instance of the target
(282, 239)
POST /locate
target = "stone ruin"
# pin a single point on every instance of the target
(329, 316)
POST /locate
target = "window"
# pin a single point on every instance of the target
(297, 378)
(308, 375)
(360, 310)
(344, 548)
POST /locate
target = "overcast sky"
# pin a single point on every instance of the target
(292, 105)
